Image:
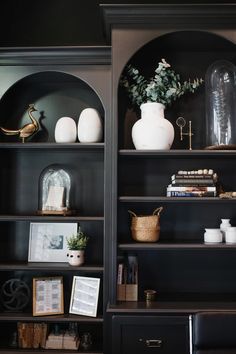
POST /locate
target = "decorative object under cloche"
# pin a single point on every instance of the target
(28, 129)
(153, 131)
(65, 130)
(54, 191)
(220, 105)
(90, 129)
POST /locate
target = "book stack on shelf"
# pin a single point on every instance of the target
(198, 183)
(127, 279)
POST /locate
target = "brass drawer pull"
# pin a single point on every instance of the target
(152, 343)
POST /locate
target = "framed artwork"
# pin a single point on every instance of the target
(84, 296)
(48, 296)
(47, 241)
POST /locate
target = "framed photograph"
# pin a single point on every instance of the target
(48, 296)
(84, 296)
(47, 241)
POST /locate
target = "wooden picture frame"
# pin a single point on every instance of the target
(84, 296)
(47, 241)
(48, 296)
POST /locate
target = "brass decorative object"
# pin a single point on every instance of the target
(181, 122)
(28, 129)
(150, 295)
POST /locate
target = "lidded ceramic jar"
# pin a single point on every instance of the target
(230, 235)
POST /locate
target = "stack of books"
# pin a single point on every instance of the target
(198, 183)
(127, 279)
(32, 335)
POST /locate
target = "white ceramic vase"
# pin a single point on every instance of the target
(224, 225)
(75, 258)
(90, 126)
(65, 130)
(152, 131)
(213, 236)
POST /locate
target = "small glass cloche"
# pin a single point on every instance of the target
(54, 191)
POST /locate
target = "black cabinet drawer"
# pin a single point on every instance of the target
(150, 335)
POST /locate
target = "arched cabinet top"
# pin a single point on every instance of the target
(179, 16)
(60, 81)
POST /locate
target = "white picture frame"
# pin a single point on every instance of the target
(47, 241)
(84, 296)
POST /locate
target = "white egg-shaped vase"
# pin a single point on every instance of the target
(65, 130)
(152, 131)
(90, 129)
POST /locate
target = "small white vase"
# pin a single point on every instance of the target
(75, 258)
(89, 126)
(152, 131)
(225, 223)
(65, 130)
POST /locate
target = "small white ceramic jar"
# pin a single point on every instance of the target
(230, 235)
(213, 236)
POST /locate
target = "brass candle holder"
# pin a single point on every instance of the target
(181, 122)
(150, 295)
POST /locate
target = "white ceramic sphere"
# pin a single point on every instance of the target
(65, 130)
(90, 126)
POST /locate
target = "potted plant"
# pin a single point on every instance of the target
(76, 247)
(153, 131)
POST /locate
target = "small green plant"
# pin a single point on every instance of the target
(77, 242)
(165, 87)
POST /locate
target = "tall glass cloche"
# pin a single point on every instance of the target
(221, 105)
(54, 191)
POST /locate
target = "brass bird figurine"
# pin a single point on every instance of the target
(28, 129)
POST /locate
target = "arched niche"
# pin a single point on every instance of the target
(55, 94)
(190, 53)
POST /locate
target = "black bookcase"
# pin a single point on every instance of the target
(188, 275)
(60, 82)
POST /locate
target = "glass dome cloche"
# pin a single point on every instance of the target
(54, 191)
(221, 105)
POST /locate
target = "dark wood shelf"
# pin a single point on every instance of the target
(149, 199)
(49, 267)
(37, 351)
(48, 218)
(13, 317)
(177, 153)
(175, 246)
(168, 307)
(52, 146)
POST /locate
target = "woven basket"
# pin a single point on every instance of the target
(146, 228)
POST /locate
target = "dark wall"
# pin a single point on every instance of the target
(57, 22)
